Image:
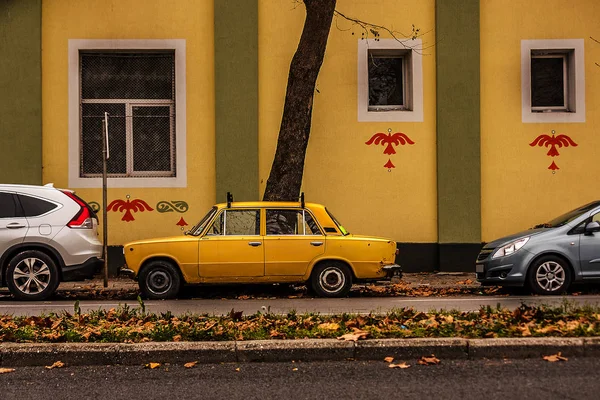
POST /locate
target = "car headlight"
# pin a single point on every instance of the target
(510, 248)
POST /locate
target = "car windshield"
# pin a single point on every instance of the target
(199, 227)
(340, 227)
(570, 216)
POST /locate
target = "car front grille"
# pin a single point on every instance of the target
(484, 254)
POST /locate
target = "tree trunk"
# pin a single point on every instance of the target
(285, 178)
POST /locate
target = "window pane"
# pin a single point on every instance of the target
(242, 222)
(8, 208)
(282, 222)
(34, 207)
(547, 82)
(152, 140)
(120, 75)
(91, 138)
(385, 81)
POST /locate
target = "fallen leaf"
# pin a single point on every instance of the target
(388, 359)
(190, 364)
(237, 370)
(329, 326)
(428, 360)
(555, 358)
(354, 336)
(402, 365)
(6, 370)
(152, 365)
(177, 338)
(58, 364)
(294, 369)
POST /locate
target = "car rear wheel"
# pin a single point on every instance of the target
(32, 275)
(160, 280)
(550, 275)
(331, 279)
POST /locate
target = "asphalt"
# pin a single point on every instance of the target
(90, 354)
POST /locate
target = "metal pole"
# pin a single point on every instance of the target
(104, 199)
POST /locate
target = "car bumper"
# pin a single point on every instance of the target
(127, 272)
(504, 271)
(85, 270)
(393, 272)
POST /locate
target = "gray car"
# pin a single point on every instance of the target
(548, 257)
(47, 235)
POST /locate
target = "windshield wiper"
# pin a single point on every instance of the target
(545, 225)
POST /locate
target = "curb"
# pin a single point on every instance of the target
(80, 354)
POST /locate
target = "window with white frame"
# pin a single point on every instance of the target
(140, 84)
(553, 85)
(390, 86)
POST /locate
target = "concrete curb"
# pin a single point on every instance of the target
(37, 354)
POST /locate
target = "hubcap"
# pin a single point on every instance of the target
(158, 282)
(332, 280)
(31, 276)
(550, 276)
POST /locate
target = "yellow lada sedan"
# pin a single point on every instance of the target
(261, 242)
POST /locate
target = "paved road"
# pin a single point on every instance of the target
(497, 379)
(283, 305)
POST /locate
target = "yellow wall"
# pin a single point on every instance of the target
(341, 171)
(518, 190)
(134, 19)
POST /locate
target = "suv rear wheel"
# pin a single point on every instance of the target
(32, 275)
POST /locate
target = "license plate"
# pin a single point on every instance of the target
(478, 267)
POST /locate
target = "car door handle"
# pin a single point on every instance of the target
(254, 244)
(316, 243)
(15, 225)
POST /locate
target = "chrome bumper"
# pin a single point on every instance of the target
(123, 271)
(393, 271)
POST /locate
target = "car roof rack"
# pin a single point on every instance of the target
(302, 199)
(229, 199)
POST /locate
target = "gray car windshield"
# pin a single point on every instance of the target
(570, 216)
(199, 227)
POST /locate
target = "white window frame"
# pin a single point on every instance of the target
(412, 111)
(571, 50)
(179, 46)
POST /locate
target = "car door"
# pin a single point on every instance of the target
(589, 252)
(232, 249)
(42, 225)
(292, 240)
(13, 224)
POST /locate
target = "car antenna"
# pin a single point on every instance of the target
(302, 199)
(229, 199)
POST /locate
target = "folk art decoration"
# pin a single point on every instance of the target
(138, 205)
(553, 142)
(389, 141)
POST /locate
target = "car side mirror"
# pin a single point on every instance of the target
(592, 227)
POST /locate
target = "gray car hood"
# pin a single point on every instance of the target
(515, 236)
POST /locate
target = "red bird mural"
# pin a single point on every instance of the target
(127, 206)
(547, 140)
(396, 139)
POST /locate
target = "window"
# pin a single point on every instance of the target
(553, 86)
(390, 84)
(8, 207)
(141, 85)
(236, 222)
(291, 222)
(33, 207)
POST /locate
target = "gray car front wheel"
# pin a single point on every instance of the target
(32, 275)
(550, 275)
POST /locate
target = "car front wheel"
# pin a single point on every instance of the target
(331, 279)
(32, 275)
(160, 280)
(550, 275)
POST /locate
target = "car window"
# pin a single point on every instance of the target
(32, 206)
(291, 222)
(596, 217)
(236, 222)
(8, 207)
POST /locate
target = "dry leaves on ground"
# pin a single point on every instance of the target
(58, 364)
(357, 334)
(152, 365)
(6, 370)
(388, 359)
(428, 360)
(555, 358)
(190, 364)
(401, 365)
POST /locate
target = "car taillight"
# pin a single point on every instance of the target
(83, 218)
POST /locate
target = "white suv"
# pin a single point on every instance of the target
(47, 236)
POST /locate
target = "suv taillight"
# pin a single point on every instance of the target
(83, 218)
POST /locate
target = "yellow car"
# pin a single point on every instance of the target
(261, 242)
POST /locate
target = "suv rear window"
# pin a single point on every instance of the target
(33, 206)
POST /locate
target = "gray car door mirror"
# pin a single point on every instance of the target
(592, 227)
